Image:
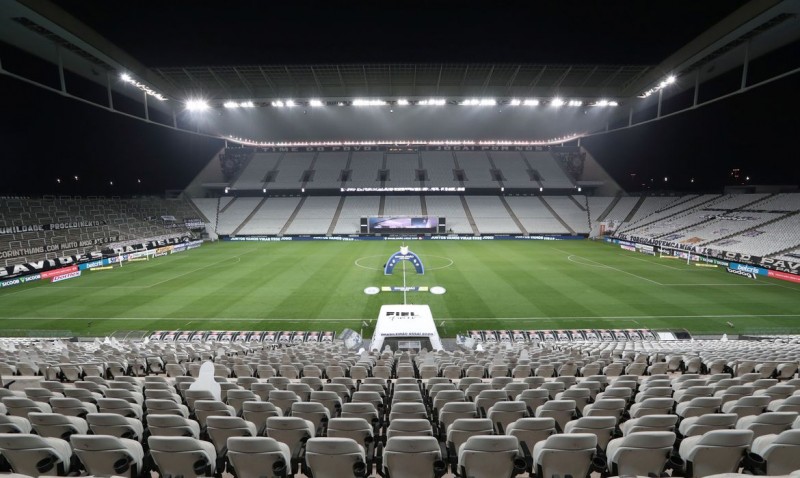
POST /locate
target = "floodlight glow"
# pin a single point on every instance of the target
(488, 102)
(290, 103)
(575, 103)
(613, 103)
(364, 102)
(515, 102)
(602, 103)
(557, 102)
(530, 102)
(247, 104)
(315, 103)
(149, 91)
(432, 102)
(671, 79)
(278, 104)
(230, 104)
(402, 102)
(197, 105)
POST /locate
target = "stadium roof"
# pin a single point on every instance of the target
(37, 26)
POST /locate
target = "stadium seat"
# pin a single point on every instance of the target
(602, 427)
(105, 455)
(33, 455)
(699, 425)
(172, 425)
(413, 457)
(767, 423)
(490, 456)
(781, 452)
(54, 425)
(182, 456)
(640, 454)
(115, 425)
(251, 457)
(717, 451)
(564, 454)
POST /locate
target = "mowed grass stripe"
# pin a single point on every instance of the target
(315, 285)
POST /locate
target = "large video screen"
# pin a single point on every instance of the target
(403, 224)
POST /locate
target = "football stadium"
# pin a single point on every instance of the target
(247, 239)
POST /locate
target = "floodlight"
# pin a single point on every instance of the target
(227, 189)
(602, 103)
(488, 102)
(432, 102)
(315, 103)
(111, 183)
(278, 104)
(515, 102)
(197, 105)
(530, 102)
(290, 103)
(502, 189)
(666, 179)
(670, 79)
(575, 103)
(613, 103)
(557, 102)
(402, 102)
(579, 189)
(230, 104)
(264, 190)
(541, 190)
(125, 77)
(247, 104)
(58, 180)
(364, 102)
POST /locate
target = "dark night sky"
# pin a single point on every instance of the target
(45, 136)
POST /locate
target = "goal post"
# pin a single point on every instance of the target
(666, 252)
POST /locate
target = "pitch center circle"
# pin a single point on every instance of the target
(358, 262)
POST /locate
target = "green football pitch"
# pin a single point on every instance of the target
(320, 286)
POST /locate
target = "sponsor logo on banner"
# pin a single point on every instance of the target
(747, 268)
(70, 275)
(46, 265)
(749, 275)
(784, 276)
(58, 272)
(627, 247)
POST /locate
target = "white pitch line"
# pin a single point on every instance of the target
(238, 258)
(605, 265)
(656, 263)
(450, 319)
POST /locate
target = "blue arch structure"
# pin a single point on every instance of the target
(400, 256)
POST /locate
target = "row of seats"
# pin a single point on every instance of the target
(410, 407)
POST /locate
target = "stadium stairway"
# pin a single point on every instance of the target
(604, 214)
(555, 215)
(336, 215)
(294, 214)
(513, 216)
(635, 209)
(532, 171)
(469, 215)
(248, 218)
(423, 204)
